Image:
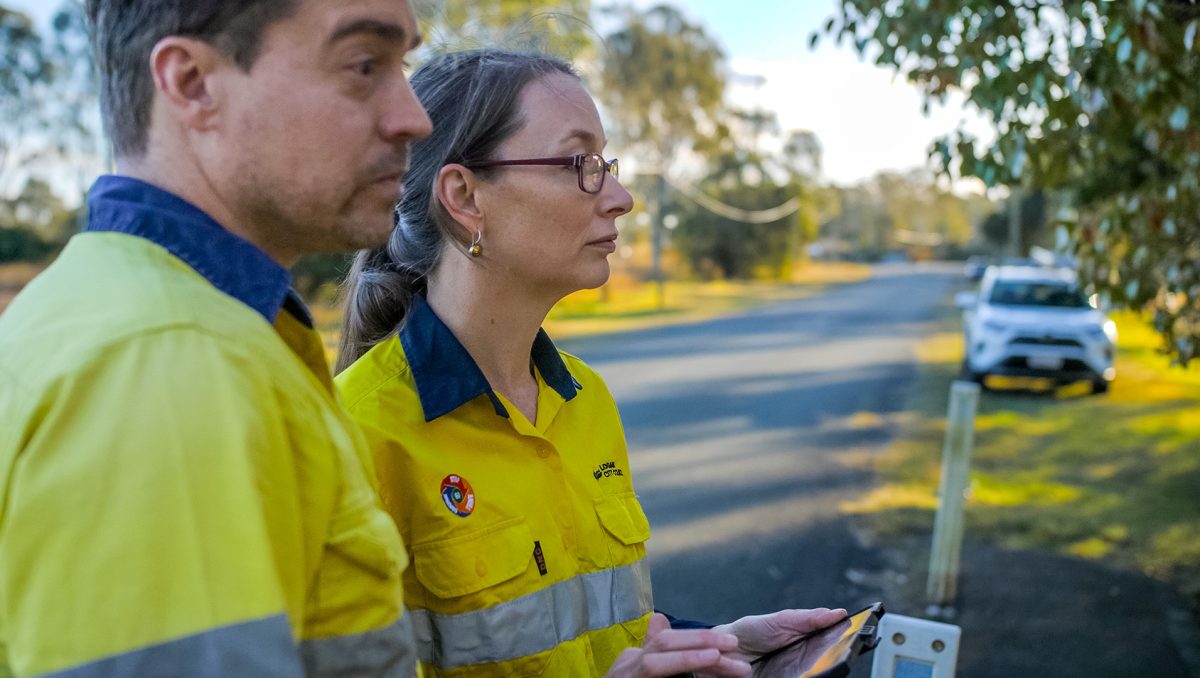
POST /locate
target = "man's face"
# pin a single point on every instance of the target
(313, 141)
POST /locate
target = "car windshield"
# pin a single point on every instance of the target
(1029, 293)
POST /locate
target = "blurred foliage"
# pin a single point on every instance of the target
(661, 81)
(872, 212)
(48, 95)
(316, 276)
(1032, 223)
(558, 27)
(1094, 100)
(22, 244)
(716, 246)
(48, 101)
(40, 211)
(25, 68)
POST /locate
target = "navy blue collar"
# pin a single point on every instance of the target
(447, 377)
(232, 264)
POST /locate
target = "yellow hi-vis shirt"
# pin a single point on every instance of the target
(526, 539)
(181, 493)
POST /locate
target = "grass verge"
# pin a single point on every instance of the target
(625, 304)
(1112, 478)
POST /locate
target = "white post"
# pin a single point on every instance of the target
(948, 523)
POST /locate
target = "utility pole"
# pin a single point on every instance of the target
(656, 235)
(1014, 220)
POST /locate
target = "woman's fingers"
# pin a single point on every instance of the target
(690, 639)
(709, 660)
(667, 652)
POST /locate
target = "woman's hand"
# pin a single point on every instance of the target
(763, 633)
(666, 652)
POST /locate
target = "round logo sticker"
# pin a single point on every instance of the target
(458, 495)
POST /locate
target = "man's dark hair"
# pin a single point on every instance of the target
(124, 33)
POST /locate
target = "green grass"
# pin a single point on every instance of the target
(626, 304)
(1113, 478)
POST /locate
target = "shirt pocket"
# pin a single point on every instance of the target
(474, 573)
(622, 517)
(474, 562)
(627, 528)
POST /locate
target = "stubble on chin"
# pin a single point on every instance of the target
(363, 232)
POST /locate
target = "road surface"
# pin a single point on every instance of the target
(747, 435)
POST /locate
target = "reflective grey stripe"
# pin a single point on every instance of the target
(534, 622)
(384, 652)
(263, 647)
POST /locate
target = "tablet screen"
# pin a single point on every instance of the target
(824, 650)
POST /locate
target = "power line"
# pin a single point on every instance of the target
(736, 213)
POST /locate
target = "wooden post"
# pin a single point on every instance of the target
(948, 523)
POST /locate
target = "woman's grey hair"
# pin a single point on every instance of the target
(472, 98)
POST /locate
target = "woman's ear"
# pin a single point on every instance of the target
(455, 189)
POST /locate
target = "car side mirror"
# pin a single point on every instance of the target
(966, 300)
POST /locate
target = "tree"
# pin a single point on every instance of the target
(1089, 99)
(661, 81)
(73, 115)
(557, 27)
(39, 209)
(24, 71)
(718, 246)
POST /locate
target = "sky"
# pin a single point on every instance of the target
(866, 119)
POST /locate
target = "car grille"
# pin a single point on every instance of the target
(1047, 341)
(1069, 365)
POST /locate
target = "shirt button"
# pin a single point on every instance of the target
(543, 451)
(480, 568)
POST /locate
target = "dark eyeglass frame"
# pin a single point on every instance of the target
(577, 161)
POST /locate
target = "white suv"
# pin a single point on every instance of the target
(1029, 321)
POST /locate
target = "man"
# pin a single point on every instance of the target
(180, 491)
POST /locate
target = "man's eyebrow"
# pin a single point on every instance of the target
(388, 31)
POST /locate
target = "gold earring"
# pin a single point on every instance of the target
(475, 250)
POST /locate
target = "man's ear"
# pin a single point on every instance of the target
(182, 69)
(455, 189)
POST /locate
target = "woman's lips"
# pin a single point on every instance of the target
(608, 244)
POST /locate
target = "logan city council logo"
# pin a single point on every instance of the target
(458, 495)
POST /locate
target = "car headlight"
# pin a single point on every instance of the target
(993, 326)
(1106, 331)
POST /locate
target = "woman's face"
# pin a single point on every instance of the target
(539, 229)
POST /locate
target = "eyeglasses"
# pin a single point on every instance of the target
(591, 167)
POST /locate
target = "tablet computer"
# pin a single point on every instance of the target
(825, 653)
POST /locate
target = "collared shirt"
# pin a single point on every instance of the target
(526, 538)
(182, 492)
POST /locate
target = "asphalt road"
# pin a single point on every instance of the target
(746, 435)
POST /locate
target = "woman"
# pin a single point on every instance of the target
(501, 459)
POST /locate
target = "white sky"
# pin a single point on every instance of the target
(866, 120)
